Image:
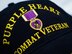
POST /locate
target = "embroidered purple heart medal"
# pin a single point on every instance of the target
(35, 23)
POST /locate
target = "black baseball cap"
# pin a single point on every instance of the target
(35, 27)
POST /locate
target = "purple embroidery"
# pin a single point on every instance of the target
(36, 24)
(30, 15)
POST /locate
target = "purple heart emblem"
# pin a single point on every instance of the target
(36, 24)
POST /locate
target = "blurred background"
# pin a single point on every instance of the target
(64, 4)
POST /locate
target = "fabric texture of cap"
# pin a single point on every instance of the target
(17, 36)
